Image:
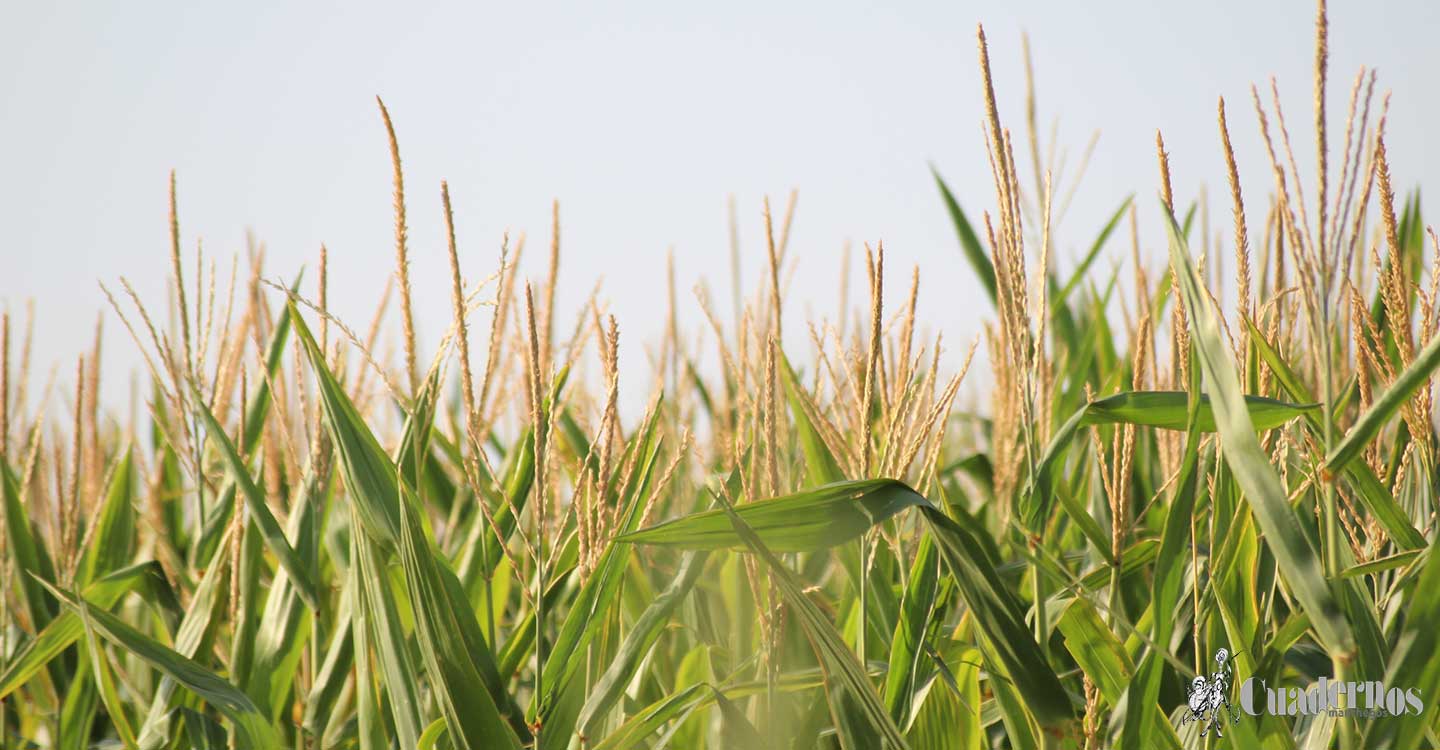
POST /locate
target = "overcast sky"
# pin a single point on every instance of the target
(640, 117)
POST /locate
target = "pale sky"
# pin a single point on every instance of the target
(640, 117)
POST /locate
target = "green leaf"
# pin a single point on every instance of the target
(66, 628)
(820, 464)
(974, 252)
(1373, 495)
(907, 646)
(1167, 410)
(105, 679)
(254, 730)
(202, 732)
(455, 684)
(284, 628)
(803, 522)
(1084, 266)
(645, 722)
(642, 636)
(1380, 413)
(736, 731)
(1258, 480)
(1096, 649)
(1160, 409)
(432, 735)
(270, 530)
(1380, 565)
(23, 548)
(113, 541)
(382, 630)
(191, 638)
(256, 412)
(948, 714)
(77, 713)
(368, 472)
(593, 601)
(335, 670)
(1001, 619)
(838, 660)
(1413, 664)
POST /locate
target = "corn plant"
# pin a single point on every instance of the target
(298, 538)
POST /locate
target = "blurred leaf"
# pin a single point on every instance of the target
(105, 680)
(974, 252)
(24, 550)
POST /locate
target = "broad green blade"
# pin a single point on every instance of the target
(335, 669)
(193, 637)
(948, 713)
(202, 732)
(455, 684)
(78, 711)
(383, 632)
(113, 541)
(593, 601)
(803, 522)
(285, 626)
(105, 679)
(369, 474)
(1413, 666)
(1096, 649)
(1166, 409)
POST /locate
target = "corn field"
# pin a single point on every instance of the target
(300, 540)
